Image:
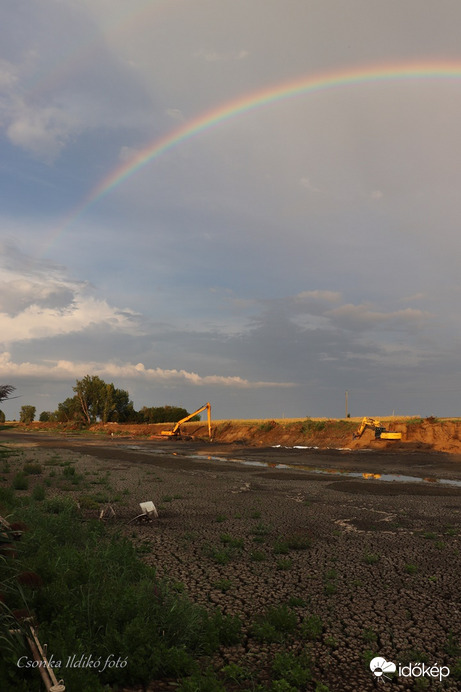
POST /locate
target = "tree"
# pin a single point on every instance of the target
(99, 400)
(162, 414)
(91, 393)
(5, 391)
(68, 410)
(2, 417)
(27, 414)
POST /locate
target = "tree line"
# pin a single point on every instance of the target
(96, 401)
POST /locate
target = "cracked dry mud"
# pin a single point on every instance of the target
(382, 570)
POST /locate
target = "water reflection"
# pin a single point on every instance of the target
(365, 475)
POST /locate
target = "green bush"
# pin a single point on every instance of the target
(20, 481)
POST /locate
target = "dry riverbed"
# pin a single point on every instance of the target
(368, 567)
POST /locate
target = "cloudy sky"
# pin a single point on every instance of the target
(267, 259)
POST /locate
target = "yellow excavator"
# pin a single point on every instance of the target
(380, 432)
(176, 432)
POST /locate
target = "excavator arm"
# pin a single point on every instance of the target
(380, 432)
(176, 432)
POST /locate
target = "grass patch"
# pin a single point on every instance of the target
(284, 563)
(275, 624)
(232, 542)
(223, 585)
(298, 541)
(32, 469)
(20, 481)
(38, 493)
(80, 612)
(295, 670)
(311, 628)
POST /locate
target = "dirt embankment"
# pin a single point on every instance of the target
(429, 434)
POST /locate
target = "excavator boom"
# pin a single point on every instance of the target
(176, 432)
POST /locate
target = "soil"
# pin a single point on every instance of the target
(383, 562)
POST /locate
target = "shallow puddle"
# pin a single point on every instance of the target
(344, 473)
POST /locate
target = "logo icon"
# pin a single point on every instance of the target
(379, 667)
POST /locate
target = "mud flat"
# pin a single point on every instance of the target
(375, 563)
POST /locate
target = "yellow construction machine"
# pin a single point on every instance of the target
(176, 432)
(380, 432)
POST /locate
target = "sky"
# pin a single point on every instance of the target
(254, 203)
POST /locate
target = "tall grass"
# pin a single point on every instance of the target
(98, 598)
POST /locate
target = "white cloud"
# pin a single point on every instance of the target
(36, 322)
(175, 114)
(40, 302)
(65, 370)
(363, 316)
(41, 131)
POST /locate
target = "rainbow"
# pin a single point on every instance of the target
(251, 102)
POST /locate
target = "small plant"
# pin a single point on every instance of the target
(235, 673)
(232, 542)
(369, 636)
(223, 585)
(331, 574)
(311, 628)
(20, 481)
(38, 493)
(280, 548)
(299, 541)
(371, 558)
(274, 624)
(220, 518)
(411, 568)
(258, 556)
(296, 670)
(331, 642)
(330, 588)
(284, 563)
(261, 529)
(267, 426)
(201, 683)
(32, 469)
(452, 646)
(296, 602)
(222, 556)
(429, 535)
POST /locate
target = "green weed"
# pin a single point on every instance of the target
(311, 628)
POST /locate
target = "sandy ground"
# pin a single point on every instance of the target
(382, 570)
